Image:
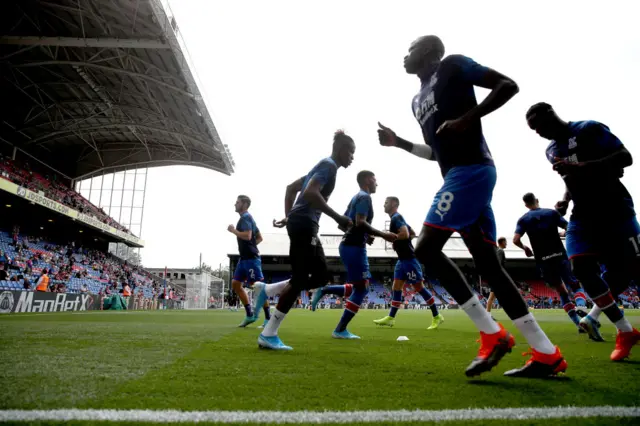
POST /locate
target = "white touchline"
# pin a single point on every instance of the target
(166, 416)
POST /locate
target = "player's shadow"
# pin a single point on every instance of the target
(517, 382)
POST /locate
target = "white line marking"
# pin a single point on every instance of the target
(166, 416)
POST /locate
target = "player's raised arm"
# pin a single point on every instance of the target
(313, 196)
(387, 137)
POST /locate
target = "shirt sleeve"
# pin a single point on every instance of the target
(363, 205)
(602, 138)
(520, 227)
(560, 221)
(324, 173)
(470, 71)
(244, 224)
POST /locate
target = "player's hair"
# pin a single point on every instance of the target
(539, 107)
(502, 240)
(529, 199)
(363, 175)
(245, 199)
(394, 200)
(340, 137)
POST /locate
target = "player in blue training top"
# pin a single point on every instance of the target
(447, 110)
(408, 269)
(302, 218)
(249, 268)
(551, 258)
(603, 229)
(353, 253)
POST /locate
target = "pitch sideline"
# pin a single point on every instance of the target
(327, 417)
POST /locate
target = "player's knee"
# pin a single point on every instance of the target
(418, 287)
(398, 285)
(236, 285)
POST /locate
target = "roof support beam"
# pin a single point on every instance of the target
(108, 69)
(125, 43)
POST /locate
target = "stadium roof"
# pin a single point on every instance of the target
(277, 245)
(102, 86)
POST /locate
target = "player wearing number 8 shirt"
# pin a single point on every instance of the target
(449, 115)
(591, 161)
(408, 269)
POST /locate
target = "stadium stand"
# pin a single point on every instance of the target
(71, 269)
(52, 189)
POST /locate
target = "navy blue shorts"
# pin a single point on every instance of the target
(619, 240)
(463, 203)
(408, 270)
(356, 262)
(557, 270)
(248, 271)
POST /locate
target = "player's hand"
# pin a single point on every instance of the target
(528, 251)
(280, 223)
(458, 125)
(564, 167)
(389, 236)
(370, 239)
(344, 223)
(386, 136)
(562, 206)
(231, 228)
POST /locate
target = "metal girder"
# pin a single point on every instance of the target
(128, 43)
(108, 69)
(125, 125)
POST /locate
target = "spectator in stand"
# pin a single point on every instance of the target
(84, 288)
(43, 282)
(4, 275)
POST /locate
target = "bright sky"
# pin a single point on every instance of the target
(281, 76)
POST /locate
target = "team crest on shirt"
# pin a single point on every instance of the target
(572, 143)
(433, 81)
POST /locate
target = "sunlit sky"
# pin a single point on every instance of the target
(280, 77)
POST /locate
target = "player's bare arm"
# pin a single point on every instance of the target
(361, 222)
(617, 160)
(502, 89)
(403, 233)
(387, 137)
(243, 235)
(258, 238)
(517, 241)
(289, 198)
(313, 196)
(562, 205)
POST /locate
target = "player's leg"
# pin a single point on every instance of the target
(571, 283)
(551, 273)
(396, 297)
(428, 299)
(357, 264)
(490, 300)
(584, 245)
(459, 203)
(240, 276)
(264, 291)
(302, 254)
(546, 358)
(620, 270)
